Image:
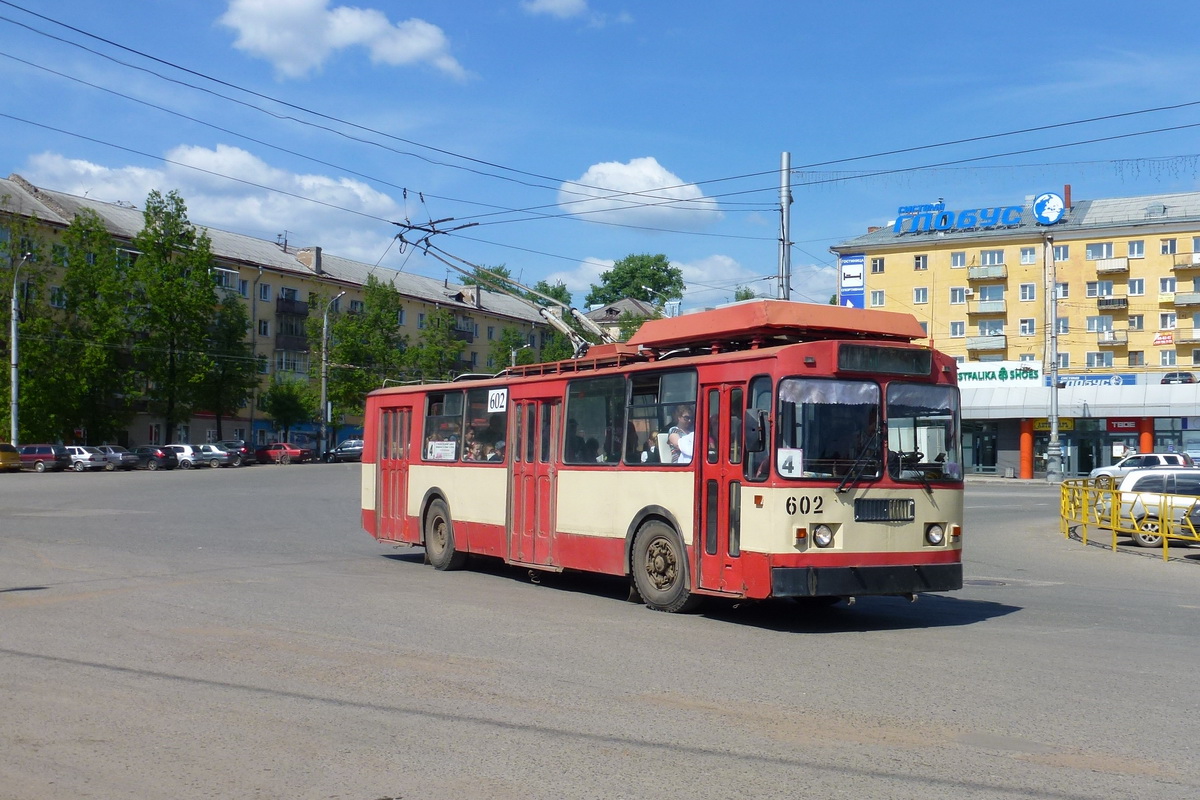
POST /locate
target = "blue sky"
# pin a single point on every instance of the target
(576, 132)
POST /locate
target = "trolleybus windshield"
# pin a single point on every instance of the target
(923, 424)
(827, 428)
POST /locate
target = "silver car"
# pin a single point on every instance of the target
(1147, 497)
(86, 458)
(118, 457)
(214, 455)
(1106, 477)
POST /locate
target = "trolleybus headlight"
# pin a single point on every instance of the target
(822, 535)
(934, 533)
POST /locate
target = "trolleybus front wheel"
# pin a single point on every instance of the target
(660, 571)
(439, 538)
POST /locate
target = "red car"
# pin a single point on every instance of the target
(281, 453)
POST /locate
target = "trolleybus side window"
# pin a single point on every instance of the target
(443, 425)
(828, 428)
(757, 429)
(735, 426)
(486, 423)
(923, 425)
(595, 425)
(661, 404)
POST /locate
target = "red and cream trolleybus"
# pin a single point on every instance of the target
(763, 449)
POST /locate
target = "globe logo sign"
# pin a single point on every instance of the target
(1048, 208)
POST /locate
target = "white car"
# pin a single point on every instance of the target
(1111, 475)
(86, 458)
(1148, 496)
(189, 455)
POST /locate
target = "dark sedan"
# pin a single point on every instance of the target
(243, 451)
(154, 457)
(348, 450)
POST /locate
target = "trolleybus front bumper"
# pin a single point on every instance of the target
(863, 581)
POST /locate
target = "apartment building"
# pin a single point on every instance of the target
(1104, 292)
(286, 290)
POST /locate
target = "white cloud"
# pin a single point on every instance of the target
(563, 9)
(219, 203)
(579, 280)
(298, 36)
(639, 192)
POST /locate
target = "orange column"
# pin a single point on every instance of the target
(1146, 435)
(1027, 449)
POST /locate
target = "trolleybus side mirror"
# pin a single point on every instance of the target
(756, 423)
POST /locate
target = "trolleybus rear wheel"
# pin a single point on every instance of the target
(660, 571)
(439, 538)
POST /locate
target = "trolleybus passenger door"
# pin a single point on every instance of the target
(717, 543)
(531, 517)
(391, 490)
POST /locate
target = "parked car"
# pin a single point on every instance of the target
(1148, 496)
(42, 457)
(348, 450)
(86, 458)
(153, 457)
(188, 454)
(10, 459)
(1106, 477)
(119, 457)
(1179, 377)
(281, 453)
(244, 453)
(214, 455)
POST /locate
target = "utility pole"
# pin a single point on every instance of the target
(15, 311)
(324, 446)
(1054, 466)
(785, 225)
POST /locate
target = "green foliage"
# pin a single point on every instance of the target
(233, 374)
(631, 276)
(495, 279)
(631, 322)
(744, 293)
(365, 349)
(510, 339)
(558, 291)
(436, 356)
(175, 304)
(290, 402)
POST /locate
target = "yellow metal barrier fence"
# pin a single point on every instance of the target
(1142, 516)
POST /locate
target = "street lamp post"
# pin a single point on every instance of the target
(325, 377)
(13, 348)
(516, 350)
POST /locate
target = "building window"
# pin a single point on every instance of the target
(1028, 255)
(1137, 287)
(958, 330)
(289, 294)
(291, 361)
(920, 262)
(924, 327)
(243, 287)
(401, 316)
(992, 292)
(991, 258)
(357, 306)
(264, 292)
(1100, 359)
(421, 320)
(1064, 360)
(1029, 291)
(958, 260)
(1166, 285)
(1062, 252)
(1099, 288)
(491, 362)
(991, 327)
(1137, 249)
(1098, 250)
(1063, 324)
(1028, 357)
(921, 295)
(958, 295)
(1028, 327)
(1062, 291)
(876, 298)
(58, 297)
(1166, 358)
(264, 327)
(1137, 358)
(876, 265)
(1137, 322)
(960, 360)
(1167, 248)
(1099, 323)
(1166, 321)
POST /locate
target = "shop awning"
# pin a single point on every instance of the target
(1175, 400)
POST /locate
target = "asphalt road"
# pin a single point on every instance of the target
(234, 634)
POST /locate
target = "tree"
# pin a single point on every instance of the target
(744, 293)
(558, 291)
(436, 356)
(176, 301)
(98, 303)
(233, 372)
(365, 348)
(499, 279)
(290, 402)
(510, 340)
(643, 277)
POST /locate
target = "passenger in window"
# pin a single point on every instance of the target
(650, 449)
(573, 449)
(474, 453)
(591, 451)
(497, 453)
(681, 436)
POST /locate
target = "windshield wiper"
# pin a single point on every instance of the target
(860, 463)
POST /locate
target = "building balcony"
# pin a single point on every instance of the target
(989, 273)
(291, 341)
(1115, 338)
(462, 335)
(987, 307)
(1108, 266)
(1112, 302)
(987, 343)
(1187, 299)
(1190, 335)
(1186, 261)
(293, 308)
(1166, 297)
